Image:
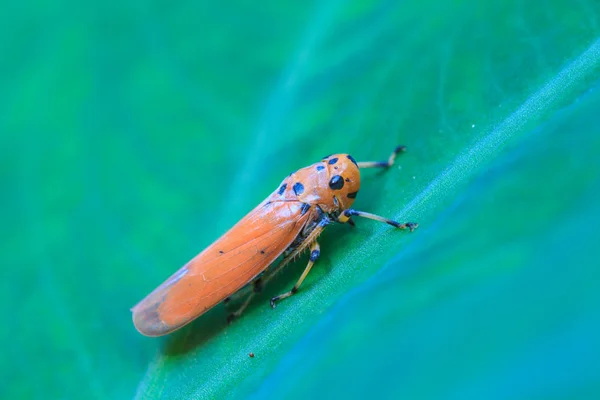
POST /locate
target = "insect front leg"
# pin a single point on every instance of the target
(383, 164)
(345, 217)
(315, 252)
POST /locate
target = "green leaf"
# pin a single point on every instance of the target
(134, 135)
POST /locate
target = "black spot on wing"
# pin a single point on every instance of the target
(298, 188)
(282, 188)
(352, 195)
(320, 167)
(332, 161)
(352, 159)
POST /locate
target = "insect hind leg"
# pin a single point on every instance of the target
(238, 295)
(257, 286)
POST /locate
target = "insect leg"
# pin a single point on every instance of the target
(315, 252)
(383, 164)
(237, 295)
(263, 280)
(345, 216)
(256, 288)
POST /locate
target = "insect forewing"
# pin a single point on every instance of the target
(223, 268)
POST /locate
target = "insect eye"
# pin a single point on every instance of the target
(336, 183)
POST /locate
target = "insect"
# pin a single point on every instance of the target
(287, 223)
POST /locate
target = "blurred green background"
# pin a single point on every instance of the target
(134, 134)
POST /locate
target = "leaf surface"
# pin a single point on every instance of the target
(134, 135)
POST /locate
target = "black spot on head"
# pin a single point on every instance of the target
(298, 188)
(352, 159)
(347, 179)
(282, 188)
(336, 183)
(320, 168)
(352, 195)
(305, 207)
(332, 161)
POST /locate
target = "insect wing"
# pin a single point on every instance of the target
(223, 268)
